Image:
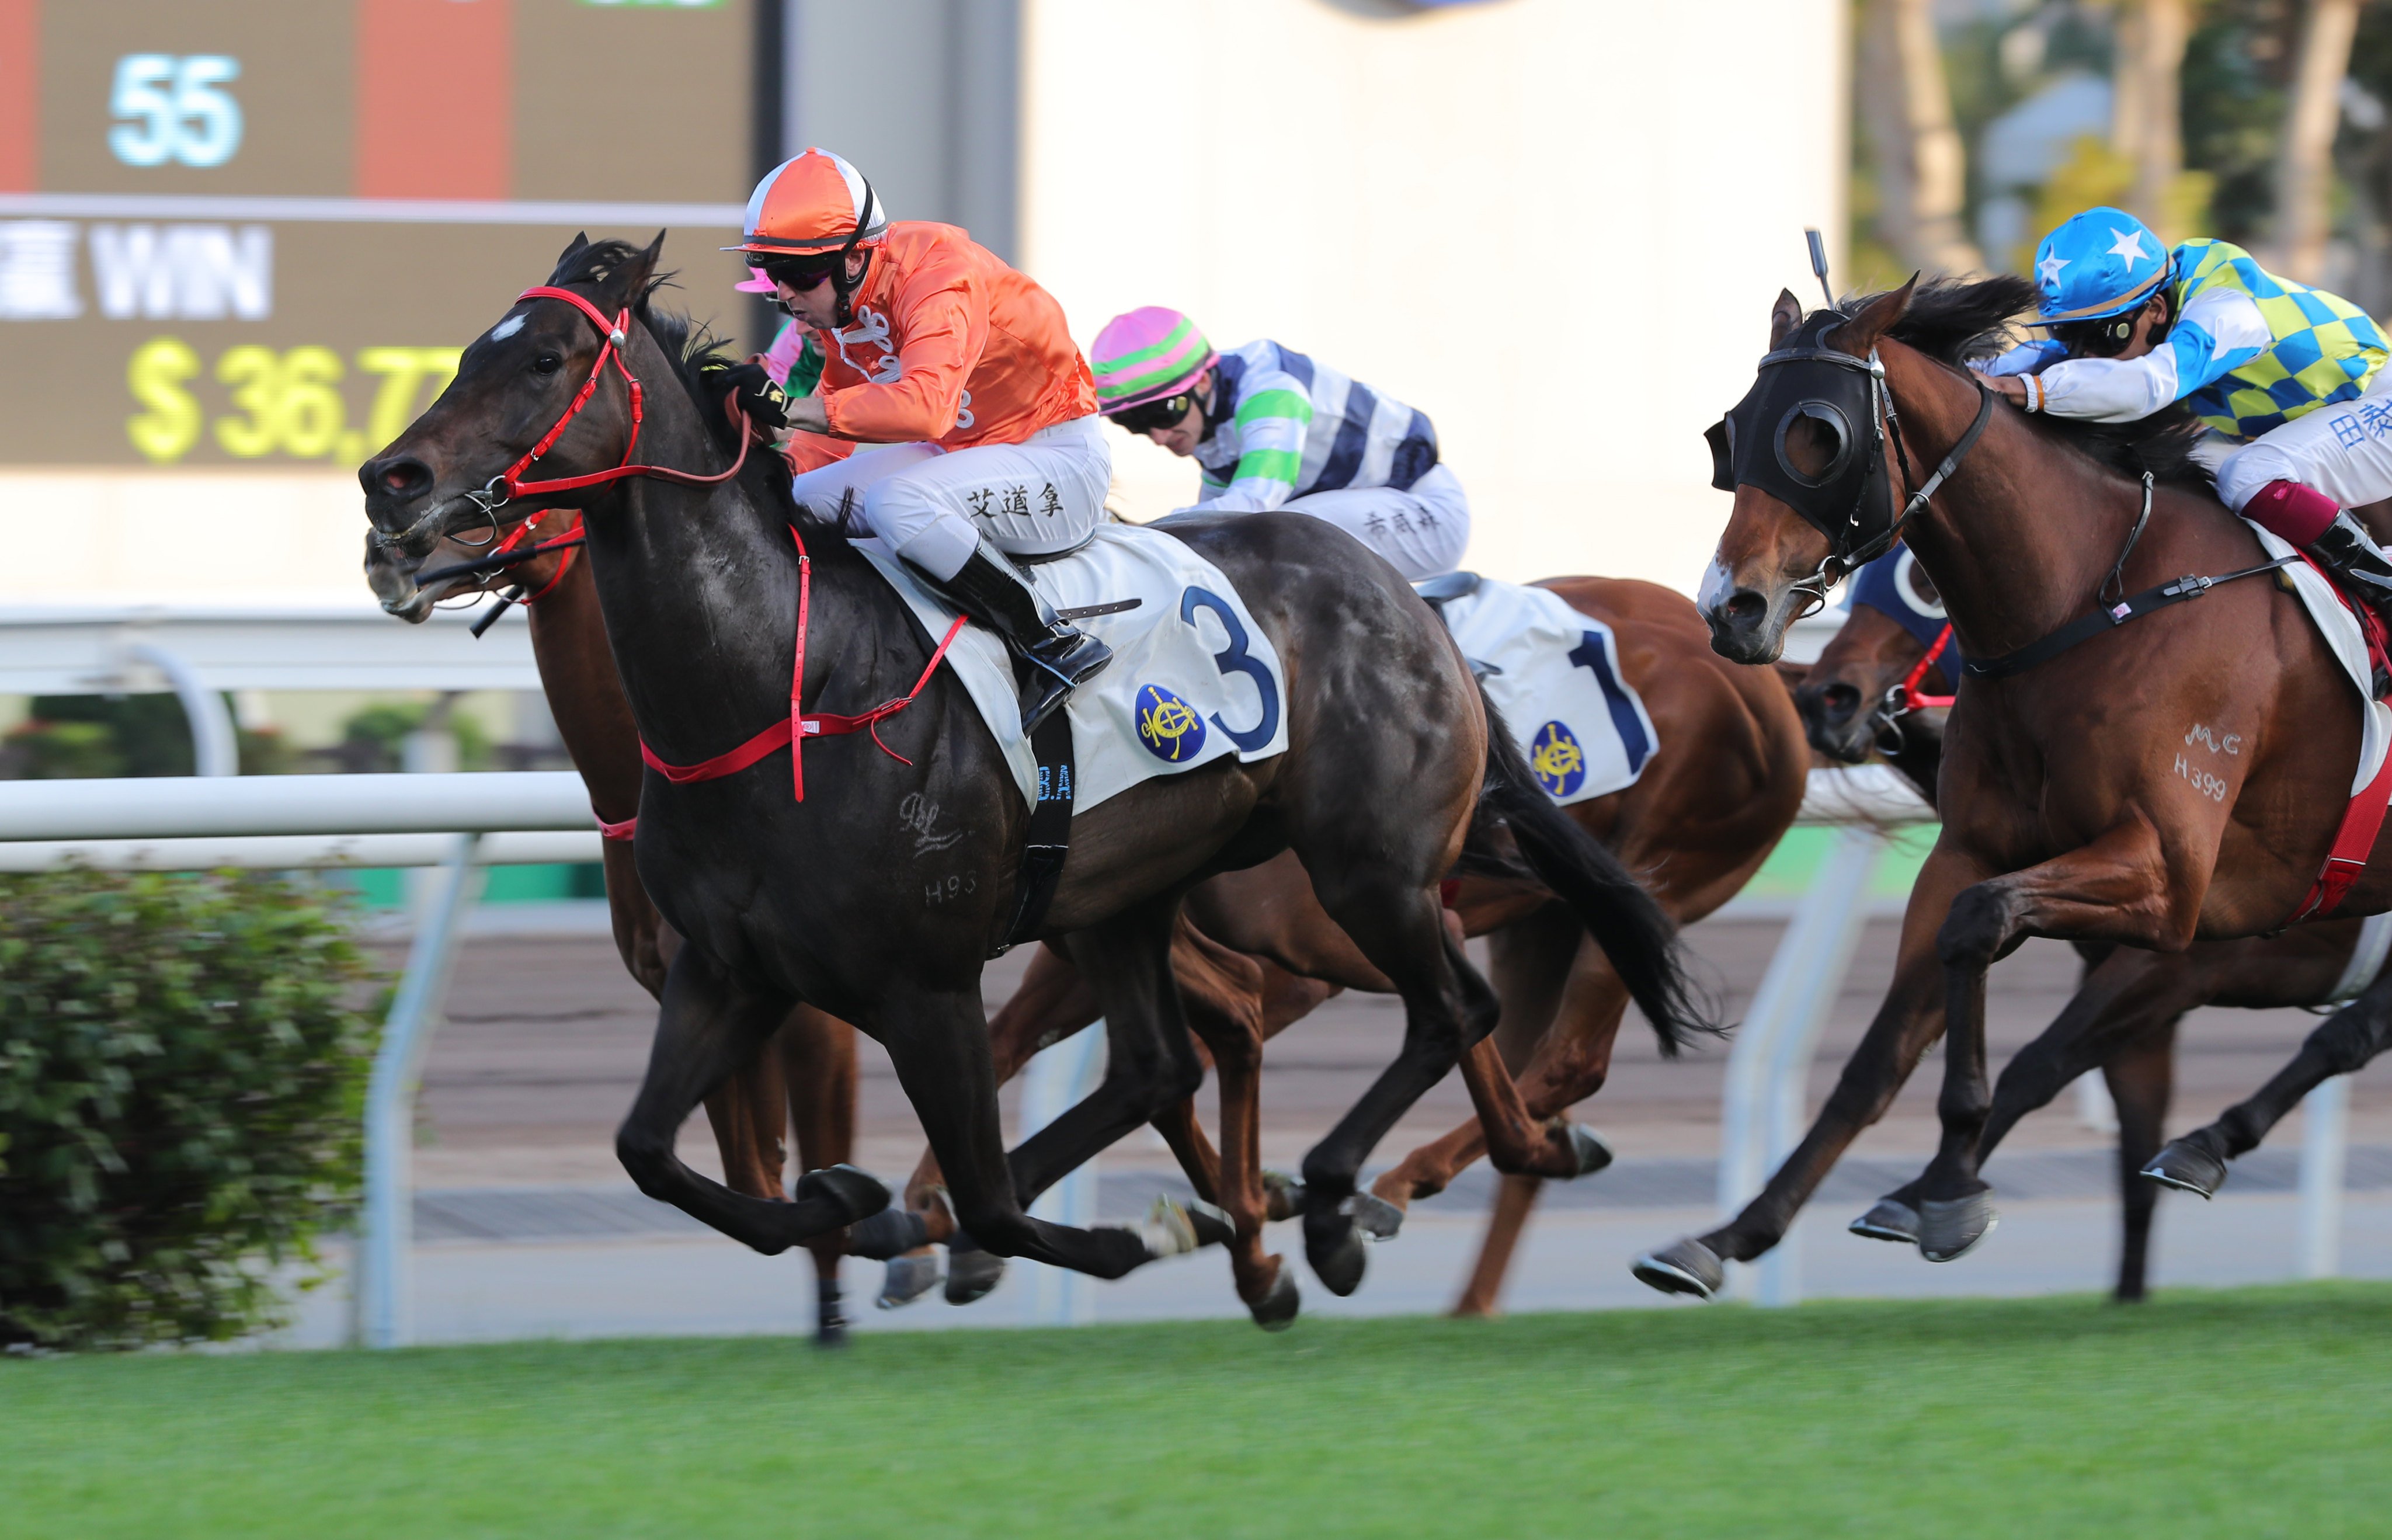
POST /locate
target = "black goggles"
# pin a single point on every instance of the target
(1147, 416)
(801, 273)
(2098, 339)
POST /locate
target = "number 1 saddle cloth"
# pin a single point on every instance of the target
(1554, 675)
(1192, 676)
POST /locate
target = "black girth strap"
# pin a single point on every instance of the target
(2109, 618)
(1050, 830)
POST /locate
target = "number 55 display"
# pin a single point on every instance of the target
(171, 109)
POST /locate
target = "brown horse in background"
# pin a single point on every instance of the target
(2123, 1018)
(808, 1075)
(1255, 951)
(2065, 814)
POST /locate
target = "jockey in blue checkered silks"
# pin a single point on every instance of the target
(2291, 374)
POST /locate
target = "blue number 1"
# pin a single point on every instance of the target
(1236, 659)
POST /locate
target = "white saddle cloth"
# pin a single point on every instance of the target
(2340, 629)
(1557, 680)
(1193, 677)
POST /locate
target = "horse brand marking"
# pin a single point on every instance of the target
(2208, 737)
(937, 890)
(2211, 787)
(920, 816)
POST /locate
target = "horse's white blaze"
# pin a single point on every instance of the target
(506, 328)
(1715, 588)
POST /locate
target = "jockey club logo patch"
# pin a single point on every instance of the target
(1559, 763)
(1168, 725)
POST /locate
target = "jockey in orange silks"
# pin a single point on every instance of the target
(962, 372)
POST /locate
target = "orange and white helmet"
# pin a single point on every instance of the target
(812, 206)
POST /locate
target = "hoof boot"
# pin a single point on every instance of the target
(2188, 1167)
(888, 1234)
(1276, 1310)
(1948, 1231)
(1688, 1267)
(973, 1274)
(858, 1194)
(909, 1277)
(1374, 1214)
(830, 1320)
(1890, 1220)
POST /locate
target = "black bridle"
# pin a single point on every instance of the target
(1853, 502)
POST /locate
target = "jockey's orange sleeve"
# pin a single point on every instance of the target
(949, 345)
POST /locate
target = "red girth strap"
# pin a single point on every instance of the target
(800, 727)
(2364, 817)
(1911, 699)
(616, 332)
(621, 833)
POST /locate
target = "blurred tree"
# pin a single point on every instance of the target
(1921, 165)
(2305, 148)
(2235, 69)
(2147, 115)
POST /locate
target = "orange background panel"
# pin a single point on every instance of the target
(435, 92)
(20, 29)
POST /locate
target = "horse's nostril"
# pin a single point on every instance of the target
(1746, 607)
(1838, 702)
(398, 477)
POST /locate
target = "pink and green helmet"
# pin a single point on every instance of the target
(1147, 355)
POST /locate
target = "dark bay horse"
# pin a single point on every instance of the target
(1259, 952)
(806, 1077)
(2065, 811)
(828, 900)
(2124, 1016)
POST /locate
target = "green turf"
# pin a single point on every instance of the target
(2252, 1412)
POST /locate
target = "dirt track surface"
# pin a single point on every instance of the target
(546, 1038)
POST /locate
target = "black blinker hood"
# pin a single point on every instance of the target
(1852, 502)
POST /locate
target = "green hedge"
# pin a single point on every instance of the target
(182, 1076)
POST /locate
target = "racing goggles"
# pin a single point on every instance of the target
(2105, 338)
(801, 274)
(1148, 416)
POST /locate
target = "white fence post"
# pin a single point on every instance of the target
(382, 1295)
(1054, 1082)
(2325, 1128)
(215, 748)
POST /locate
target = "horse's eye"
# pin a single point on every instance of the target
(547, 363)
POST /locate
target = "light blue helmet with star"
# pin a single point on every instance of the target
(2100, 263)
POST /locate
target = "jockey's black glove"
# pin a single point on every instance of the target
(765, 402)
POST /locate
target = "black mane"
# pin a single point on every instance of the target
(691, 348)
(1955, 321)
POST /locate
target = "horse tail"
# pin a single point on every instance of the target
(1639, 939)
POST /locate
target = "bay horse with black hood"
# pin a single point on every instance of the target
(706, 570)
(2064, 811)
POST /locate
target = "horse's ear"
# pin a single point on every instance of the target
(1862, 332)
(580, 243)
(1784, 317)
(628, 282)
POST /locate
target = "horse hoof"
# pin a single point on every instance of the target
(886, 1235)
(1213, 1226)
(1282, 1196)
(1277, 1307)
(1689, 1267)
(1169, 1231)
(909, 1277)
(1374, 1214)
(2188, 1167)
(973, 1274)
(1337, 1254)
(858, 1194)
(1948, 1231)
(830, 1328)
(1592, 1153)
(1890, 1220)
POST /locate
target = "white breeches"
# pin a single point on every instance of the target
(2343, 450)
(1421, 531)
(1043, 495)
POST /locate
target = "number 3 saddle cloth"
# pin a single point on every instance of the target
(1192, 676)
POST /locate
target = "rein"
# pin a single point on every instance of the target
(1906, 698)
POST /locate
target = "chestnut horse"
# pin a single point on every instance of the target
(2064, 811)
(704, 567)
(810, 1066)
(2123, 1018)
(1257, 951)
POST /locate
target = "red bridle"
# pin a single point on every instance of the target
(1907, 691)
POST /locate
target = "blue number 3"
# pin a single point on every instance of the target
(1235, 658)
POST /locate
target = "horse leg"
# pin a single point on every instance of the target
(1911, 1018)
(2129, 996)
(938, 1040)
(2343, 1042)
(1151, 1062)
(1229, 1023)
(1513, 1198)
(709, 1027)
(817, 1057)
(1198, 1160)
(2117, 888)
(1447, 1008)
(747, 1114)
(2140, 1077)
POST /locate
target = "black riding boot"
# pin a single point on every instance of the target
(993, 591)
(2352, 555)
